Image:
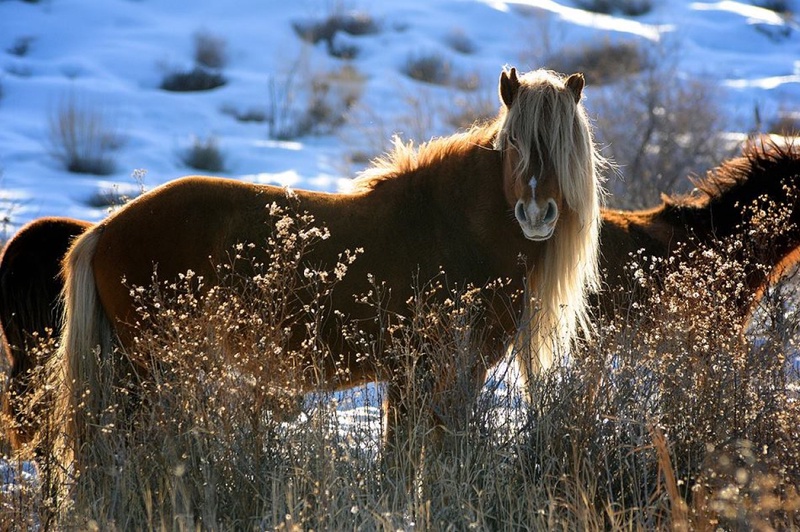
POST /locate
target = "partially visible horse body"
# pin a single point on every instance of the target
(731, 201)
(30, 285)
(516, 200)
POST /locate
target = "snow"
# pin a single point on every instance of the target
(111, 56)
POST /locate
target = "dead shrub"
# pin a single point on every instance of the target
(210, 50)
(631, 8)
(672, 417)
(21, 46)
(355, 23)
(82, 139)
(204, 154)
(460, 42)
(603, 63)
(786, 124)
(430, 67)
(658, 128)
(195, 79)
(470, 108)
(329, 98)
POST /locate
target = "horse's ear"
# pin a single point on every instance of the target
(509, 85)
(575, 84)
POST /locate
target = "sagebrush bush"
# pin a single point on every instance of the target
(82, 138)
(658, 128)
(197, 78)
(601, 63)
(460, 42)
(632, 8)
(787, 124)
(210, 50)
(326, 28)
(21, 46)
(204, 154)
(318, 107)
(430, 67)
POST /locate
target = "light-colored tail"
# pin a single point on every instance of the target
(85, 343)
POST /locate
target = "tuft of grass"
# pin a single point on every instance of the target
(21, 46)
(325, 29)
(329, 98)
(601, 63)
(251, 114)
(631, 8)
(82, 140)
(460, 42)
(205, 155)
(429, 67)
(210, 50)
(109, 198)
(787, 124)
(196, 79)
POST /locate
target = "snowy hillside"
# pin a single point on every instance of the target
(110, 58)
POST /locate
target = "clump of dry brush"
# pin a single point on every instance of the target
(675, 416)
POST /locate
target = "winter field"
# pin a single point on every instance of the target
(100, 101)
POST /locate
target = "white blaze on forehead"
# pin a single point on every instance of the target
(532, 184)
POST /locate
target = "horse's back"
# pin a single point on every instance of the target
(30, 280)
(188, 224)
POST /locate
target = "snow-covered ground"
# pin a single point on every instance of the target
(111, 56)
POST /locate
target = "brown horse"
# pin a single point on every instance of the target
(30, 283)
(731, 201)
(763, 170)
(517, 199)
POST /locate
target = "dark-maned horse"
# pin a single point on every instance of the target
(30, 284)
(732, 200)
(517, 199)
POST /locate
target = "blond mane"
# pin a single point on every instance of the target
(406, 157)
(547, 123)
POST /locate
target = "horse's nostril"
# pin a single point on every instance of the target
(519, 212)
(551, 213)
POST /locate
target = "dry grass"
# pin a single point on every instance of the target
(659, 128)
(82, 138)
(787, 124)
(603, 62)
(210, 50)
(192, 80)
(321, 106)
(671, 419)
(631, 8)
(204, 154)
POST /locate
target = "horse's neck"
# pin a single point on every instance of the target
(466, 191)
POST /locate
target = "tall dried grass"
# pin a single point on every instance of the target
(673, 417)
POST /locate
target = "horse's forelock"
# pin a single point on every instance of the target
(546, 121)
